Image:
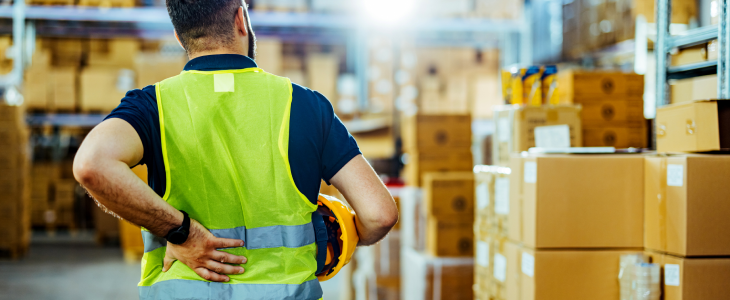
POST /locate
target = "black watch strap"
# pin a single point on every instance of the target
(180, 235)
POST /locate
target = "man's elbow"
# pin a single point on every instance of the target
(389, 220)
(85, 171)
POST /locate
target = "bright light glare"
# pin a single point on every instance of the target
(388, 11)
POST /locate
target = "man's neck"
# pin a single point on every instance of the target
(215, 52)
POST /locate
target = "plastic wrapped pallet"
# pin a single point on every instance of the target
(428, 277)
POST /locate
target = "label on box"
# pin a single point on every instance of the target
(482, 253)
(528, 264)
(500, 267)
(501, 196)
(675, 175)
(671, 275)
(482, 195)
(503, 130)
(530, 172)
(556, 136)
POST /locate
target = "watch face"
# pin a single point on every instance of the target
(178, 237)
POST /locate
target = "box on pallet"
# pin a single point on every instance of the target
(578, 201)
(693, 127)
(449, 194)
(686, 205)
(515, 125)
(693, 278)
(492, 195)
(419, 163)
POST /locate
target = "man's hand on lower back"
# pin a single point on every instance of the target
(200, 254)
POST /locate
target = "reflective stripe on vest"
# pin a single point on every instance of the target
(200, 290)
(255, 238)
(225, 143)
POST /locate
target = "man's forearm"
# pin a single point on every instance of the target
(116, 187)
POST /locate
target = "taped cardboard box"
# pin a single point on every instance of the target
(693, 278)
(427, 277)
(629, 111)
(616, 136)
(515, 128)
(450, 237)
(698, 88)
(580, 201)
(449, 194)
(698, 126)
(436, 132)
(419, 163)
(690, 55)
(568, 274)
(686, 205)
(581, 86)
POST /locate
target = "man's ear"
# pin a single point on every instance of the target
(241, 22)
(178, 40)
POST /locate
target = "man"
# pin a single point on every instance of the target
(235, 158)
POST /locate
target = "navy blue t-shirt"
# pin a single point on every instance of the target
(319, 144)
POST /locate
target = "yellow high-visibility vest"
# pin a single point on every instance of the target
(225, 141)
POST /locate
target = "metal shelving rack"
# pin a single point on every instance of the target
(666, 43)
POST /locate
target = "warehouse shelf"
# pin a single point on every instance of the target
(693, 37)
(692, 70)
(64, 119)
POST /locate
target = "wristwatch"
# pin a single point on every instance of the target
(179, 235)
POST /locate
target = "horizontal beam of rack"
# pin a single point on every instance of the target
(692, 70)
(159, 16)
(51, 119)
(693, 37)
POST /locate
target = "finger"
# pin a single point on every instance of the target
(225, 243)
(210, 275)
(228, 258)
(221, 268)
(167, 262)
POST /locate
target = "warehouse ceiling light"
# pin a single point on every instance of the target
(388, 12)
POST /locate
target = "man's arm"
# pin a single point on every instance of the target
(102, 166)
(368, 196)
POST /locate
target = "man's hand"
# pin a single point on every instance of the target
(200, 254)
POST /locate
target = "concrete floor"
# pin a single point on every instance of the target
(74, 267)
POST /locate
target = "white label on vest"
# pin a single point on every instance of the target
(528, 264)
(482, 253)
(671, 275)
(503, 130)
(482, 195)
(530, 172)
(223, 83)
(501, 196)
(500, 267)
(675, 175)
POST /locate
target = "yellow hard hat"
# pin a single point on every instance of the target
(334, 226)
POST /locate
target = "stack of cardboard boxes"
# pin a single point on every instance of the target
(612, 103)
(53, 196)
(14, 199)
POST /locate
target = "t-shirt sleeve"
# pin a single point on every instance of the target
(339, 146)
(135, 110)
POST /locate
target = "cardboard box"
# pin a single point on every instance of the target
(682, 10)
(514, 128)
(690, 55)
(581, 86)
(269, 55)
(686, 205)
(63, 88)
(613, 112)
(322, 71)
(443, 161)
(693, 127)
(153, 67)
(102, 88)
(580, 201)
(115, 53)
(492, 194)
(698, 88)
(425, 277)
(693, 278)
(449, 194)
(36, 89)
(615, 136)
(450, 236)
(11, 117)
(568, 274)
(436, 132)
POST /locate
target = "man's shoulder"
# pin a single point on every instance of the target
(310, 100)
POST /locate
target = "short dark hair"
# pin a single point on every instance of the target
(204, 24)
